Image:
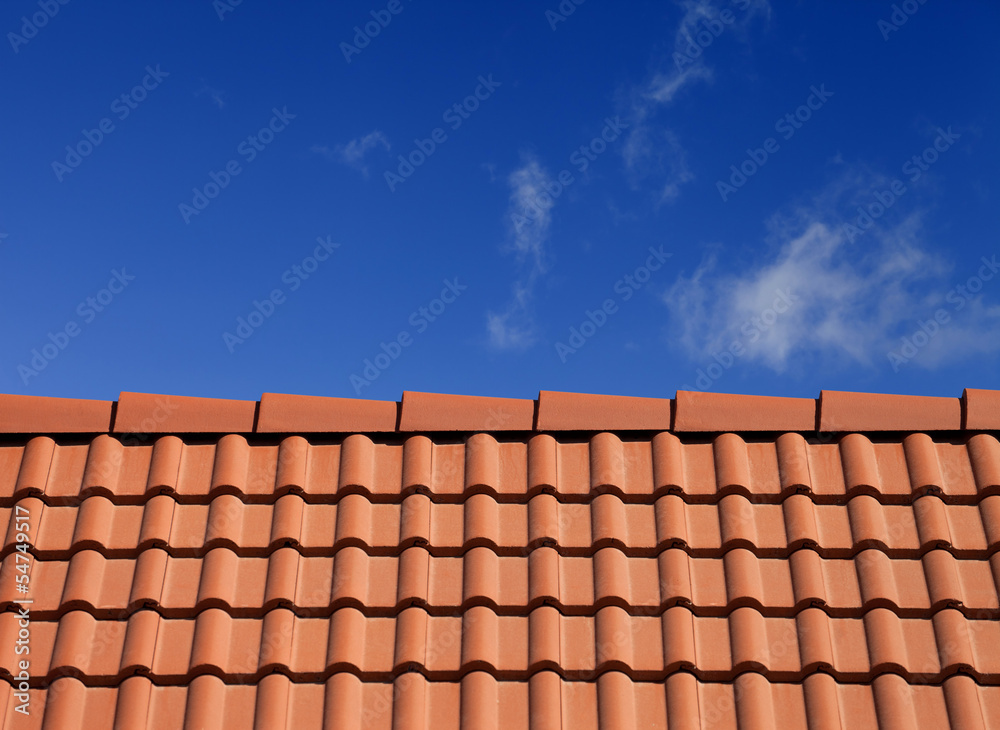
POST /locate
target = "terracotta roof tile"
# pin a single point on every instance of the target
(544, 701)
(312, 414)
(753, 574)
(181, 587)
(697, 411)
(843, 411)
(981, 409)
(840, 412)
(636, 470)
(148, 413)
(642, 647)
(436, 412)
(774, 529)
(584, 412)
(35, 414)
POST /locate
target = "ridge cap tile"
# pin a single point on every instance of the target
(850, 411)
(980, 409)
(691, 411)
(166, 414)
(697, 411)
(43, 414)
(287, 413)
(447, 412)
(561, 411)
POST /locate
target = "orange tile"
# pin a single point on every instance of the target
(148, 413)
(980, 409)
(280, 413)
(844, 411)
(582, 412)
(436, 412)
(37, 414)
(698, 411)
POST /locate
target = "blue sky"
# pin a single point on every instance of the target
(356, 199)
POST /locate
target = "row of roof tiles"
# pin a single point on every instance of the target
(612, 701)
(833, 411)
(169, 651)
(960, 469)
(115, 588)
(704, 530)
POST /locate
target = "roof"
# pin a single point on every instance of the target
(575, 561)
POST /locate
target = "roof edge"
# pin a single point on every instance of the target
(553, 411)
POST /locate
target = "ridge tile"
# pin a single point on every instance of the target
(721, 412)
(587, 412)
(981, 409)
(144, 413)
(280, 413)
(38, 414)
(841, 411)
(438, 412)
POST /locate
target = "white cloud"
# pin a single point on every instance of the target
(651, 151)
(688, 59)
(530, 211)
(353, 153)
(851, 301)
(514, 328)
(699, 14)
(662, 88)
(529, 216)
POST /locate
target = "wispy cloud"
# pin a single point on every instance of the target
(852, 301)
(530, 212)
(663, 87)
(529, 216)
(353, 153)
(514, 327)
(700, 14)
(651, 151)
(217, 96)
